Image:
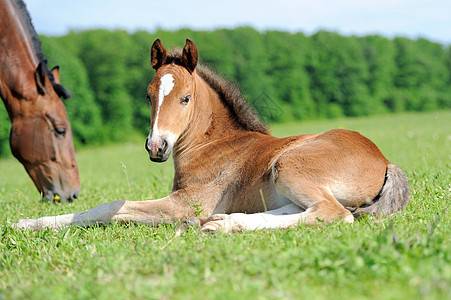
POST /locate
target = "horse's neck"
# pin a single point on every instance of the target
(17, 58)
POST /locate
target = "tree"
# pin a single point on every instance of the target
(379, 53)
(106, 56)
(287, 54)
(5, 127)
(82, 110)
(421, 73)
(338, 74)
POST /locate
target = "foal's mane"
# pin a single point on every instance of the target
(36, 42)
(228, 92)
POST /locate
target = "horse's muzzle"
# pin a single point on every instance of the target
(158, 149)
(57, 195)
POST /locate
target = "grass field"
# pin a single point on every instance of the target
(406, 256)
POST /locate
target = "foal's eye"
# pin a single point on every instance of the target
(186, 100)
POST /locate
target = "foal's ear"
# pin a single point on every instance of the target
(190, 55)
(157, 54)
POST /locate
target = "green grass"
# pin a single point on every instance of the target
(406, 256)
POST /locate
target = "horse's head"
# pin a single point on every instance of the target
(171, 94)
(41, 138)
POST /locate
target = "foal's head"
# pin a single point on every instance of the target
(170, 94)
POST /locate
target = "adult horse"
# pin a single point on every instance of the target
(41, 136)
(228, 166)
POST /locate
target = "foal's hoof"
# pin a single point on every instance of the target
(188, 223)
(215, 223)
(193, 222)
(28, 224)
(211, 228)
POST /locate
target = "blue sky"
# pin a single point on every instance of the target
(410, 18)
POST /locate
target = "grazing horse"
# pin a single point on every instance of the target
(229, 167)
(41, 136)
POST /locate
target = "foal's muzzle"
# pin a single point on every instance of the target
(158, 149)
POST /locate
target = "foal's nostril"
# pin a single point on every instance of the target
(164, 145)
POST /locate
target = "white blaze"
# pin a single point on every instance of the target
(166, 86)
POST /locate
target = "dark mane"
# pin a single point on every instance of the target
(232, 97)
(36, 42)
(229, 93)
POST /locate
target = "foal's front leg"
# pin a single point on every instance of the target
(152, 212)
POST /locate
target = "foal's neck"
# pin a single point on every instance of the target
(211, 120)
(212, 124)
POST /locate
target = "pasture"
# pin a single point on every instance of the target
(405, 256)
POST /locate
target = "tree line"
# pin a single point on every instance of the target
(286, 76)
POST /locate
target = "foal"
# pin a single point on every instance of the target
(227, 163)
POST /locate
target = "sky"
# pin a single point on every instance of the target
(430, 19)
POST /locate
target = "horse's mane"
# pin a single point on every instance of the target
(36, 42)
(228, 92)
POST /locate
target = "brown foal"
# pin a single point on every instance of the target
(227, 163)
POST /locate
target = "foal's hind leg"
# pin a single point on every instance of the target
(308, 187)
(321, 209)
(313, 202)
(320, 212)
(283, 217)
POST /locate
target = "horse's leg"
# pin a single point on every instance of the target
(307, 190)
(152, 212)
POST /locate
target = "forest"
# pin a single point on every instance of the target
(285, 76)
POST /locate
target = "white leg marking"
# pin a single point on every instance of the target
(103, 213)
(284, 217)
(287, 216)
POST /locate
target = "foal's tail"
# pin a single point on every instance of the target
(393, 196)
